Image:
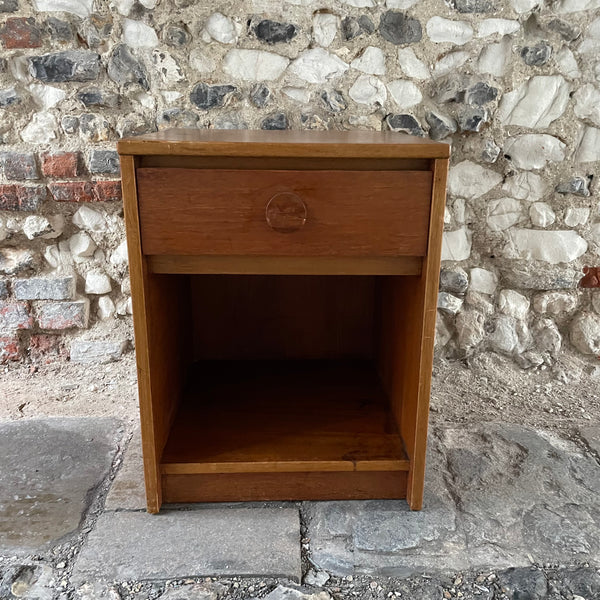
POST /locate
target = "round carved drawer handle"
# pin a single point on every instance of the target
(286, 212)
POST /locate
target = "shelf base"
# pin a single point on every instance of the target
(262, 487)
(283, 430)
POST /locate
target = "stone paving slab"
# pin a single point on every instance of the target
(127, 491)
(49, 469)
(497, 496)
(591, 436)
(191, 543)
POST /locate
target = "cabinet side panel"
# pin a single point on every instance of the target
(138, 274)
(417, 415)
(158, 315)
(408, 314)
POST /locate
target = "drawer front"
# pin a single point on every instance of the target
(283, 213)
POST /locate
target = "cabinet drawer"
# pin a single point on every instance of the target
(283, 213)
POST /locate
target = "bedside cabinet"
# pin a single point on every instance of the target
(284, 299)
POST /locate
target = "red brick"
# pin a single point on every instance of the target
(43, 347)
(10, 348)
(72, 191)
(20, 32)
(21, 197)
(15, 315)
(61, 164)
(8, 197)
(106, 191)
(63, 315)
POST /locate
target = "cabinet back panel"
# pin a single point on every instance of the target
(268, 316)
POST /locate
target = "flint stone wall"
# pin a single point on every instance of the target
(513, 85)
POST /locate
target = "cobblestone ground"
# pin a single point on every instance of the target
(511, 513)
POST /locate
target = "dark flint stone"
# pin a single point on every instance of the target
(104, 161)
(366, 24)
(273, 32)
(334, 100)
(276, 121)
(471, 118)
(9, 97)
(135, 125)
(260, 95)
(69, 124)
(95, 30)
(397, 28)
(93, 125)
(537, 55)
(405, 124)
(440, 126)
(124, 68)
(579, 186)
(177, 35)
(210, 96)
(60, 31)
(8, 6)
(350, 28)
(178, 117)
(480, 94)
(71, 65)
(97, 97)
(474, 6)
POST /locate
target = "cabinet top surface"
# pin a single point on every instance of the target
(215, 142)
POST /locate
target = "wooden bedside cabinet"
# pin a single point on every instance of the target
(284, 299)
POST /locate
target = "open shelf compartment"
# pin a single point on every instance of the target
(283, 416)
(282, 387)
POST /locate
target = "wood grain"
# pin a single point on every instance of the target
(429, 284)
(283, 416)
(268, 317)
(160, 307)
(283, 163)
(285, 265)
(248, 487)
(323, 144)
(222, 212)
(211, 280)
(138, 274)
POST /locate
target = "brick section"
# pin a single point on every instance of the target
(22, 197)
(107, 191)
(63, 315)
(20, 32)
(3, 288)
(44, 288)
(61, 165)
(10, 348)
(7, 6)
(44, 347)
(19, 165)
(104, 161)
(72, 191)
(15, 315)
